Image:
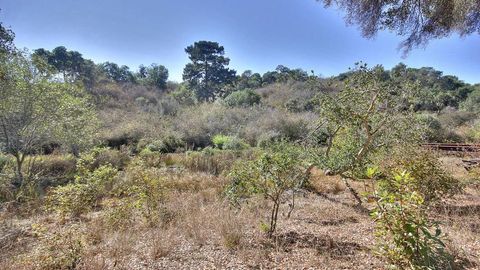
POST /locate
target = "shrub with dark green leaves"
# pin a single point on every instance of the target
(169, 144)
(406, 237)
(243, 98)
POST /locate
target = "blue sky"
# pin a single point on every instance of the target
(256, 34)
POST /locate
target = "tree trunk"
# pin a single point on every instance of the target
(273, 218)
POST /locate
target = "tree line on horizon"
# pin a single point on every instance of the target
(208, 77)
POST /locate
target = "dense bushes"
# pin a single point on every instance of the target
(81, 196)
(293, 96)
(169, 144)
(199, 124)
(53, 169)
(243, 98)
(428, 176)
(94, 180)
(100, 156)
(228, 142)
(273, 125)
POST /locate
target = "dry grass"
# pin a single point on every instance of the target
(325, 231)
(321, 183)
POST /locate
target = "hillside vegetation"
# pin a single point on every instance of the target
(102, 167)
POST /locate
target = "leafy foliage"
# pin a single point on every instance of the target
(243, 98)
(121, 74)
(70, 64)
(207, 74)
(428, 178)
(367, 114)
(228, 142)
(91, 184)
(419, 23)
(35, 108)
(275, 172)
(154, 75)
(404, 232)
(6, 40)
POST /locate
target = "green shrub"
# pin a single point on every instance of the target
(407, 238)
(273, 125)
(101, 156)
(428, 176)
(219, 140)
(235, 143)
(145, 190)
(434, 132)
(72, 199)
(279, 169)
(229, 142)
(119, 214)
(82, 195)
(472, 103)
(183, 95)
(169, 144)
(243, 98)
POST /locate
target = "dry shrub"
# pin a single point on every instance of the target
(159, 160)
(474, 173)
(274, 125)
(162, 242)
(127, 126)
(198, 124)
(118, 249)
(115, 95)
(54, 169)
(117, 158)
(322, 183)
(60, 249)
(232, 229)
(213, 161)
(204, 217)
(194, 182)
(278, 95)
(96, 231)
